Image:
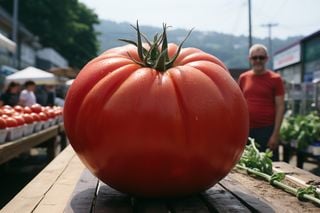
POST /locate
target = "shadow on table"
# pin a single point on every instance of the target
(112, 201)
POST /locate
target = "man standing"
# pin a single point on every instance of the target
(27, 97)
(264, 92)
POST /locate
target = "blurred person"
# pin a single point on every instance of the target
(264, 92)
(41, 95)
(45, 95)
(11, 95)
(27, 96)
(51, 95)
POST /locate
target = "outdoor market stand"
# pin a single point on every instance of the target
(65, 185)
(46, 137)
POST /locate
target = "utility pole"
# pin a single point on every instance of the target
(250, 25)
(15, 31)
(269, 26)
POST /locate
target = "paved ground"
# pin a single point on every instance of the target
(311, 167)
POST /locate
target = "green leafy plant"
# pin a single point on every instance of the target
(305, 129)
(252, 158)
(287, 130)
(260, 165)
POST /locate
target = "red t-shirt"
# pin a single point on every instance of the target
(260, 92)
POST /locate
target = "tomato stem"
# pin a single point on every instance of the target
(157, 55)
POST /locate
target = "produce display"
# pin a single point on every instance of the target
(18, 121)
(302, 132)
(155, 119)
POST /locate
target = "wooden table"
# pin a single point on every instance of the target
(65, 185)
(9, 150)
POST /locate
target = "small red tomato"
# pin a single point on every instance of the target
(3, 123)
(20, 120)
(18, 108)
(28, 118)
(37, 108)
(8, 112)
(43, 116)
(27, 110)
(6, 107)
(50, 113)
(35, 116)
(11, 122)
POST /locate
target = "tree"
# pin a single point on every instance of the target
(65, 25)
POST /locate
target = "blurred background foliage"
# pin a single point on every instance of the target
(65, 25)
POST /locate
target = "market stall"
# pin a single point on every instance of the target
(47, 137)
(22, 128)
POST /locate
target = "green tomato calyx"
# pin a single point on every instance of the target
(156, 56)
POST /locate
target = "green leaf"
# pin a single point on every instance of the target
(310, 190)
(254, 159)
(278, 176)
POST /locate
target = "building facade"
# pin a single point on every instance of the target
(299, 66)
(300, 61)
(28, 49)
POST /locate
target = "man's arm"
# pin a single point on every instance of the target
(274, 139)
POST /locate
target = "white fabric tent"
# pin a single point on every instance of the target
(34, 74)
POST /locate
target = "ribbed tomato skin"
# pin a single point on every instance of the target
(156, 134)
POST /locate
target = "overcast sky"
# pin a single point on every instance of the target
(294, 17)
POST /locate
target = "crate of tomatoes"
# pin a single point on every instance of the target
(17, 121)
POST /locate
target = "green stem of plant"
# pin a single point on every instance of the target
(254, 146)
(281, 185)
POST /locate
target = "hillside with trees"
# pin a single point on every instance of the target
(77, 34)
(231, 49)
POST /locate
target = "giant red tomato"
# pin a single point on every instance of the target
(151, 129)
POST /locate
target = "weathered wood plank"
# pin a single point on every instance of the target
(111, 201)
(30, 196)
(11, 149)
(220, 200)
(53, 191)
(297, 175)
(143, 205)
(253, 201)
(192, 204)
(84, 194)
(57, 197)
(273, 198)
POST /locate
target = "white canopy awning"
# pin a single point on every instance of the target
(69, 82)
(7, 43)
(39, 76)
